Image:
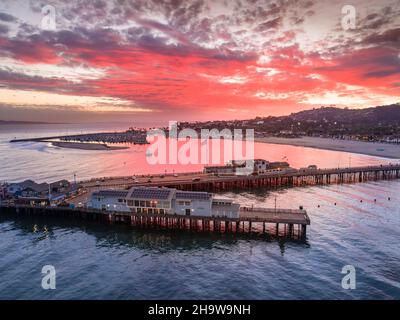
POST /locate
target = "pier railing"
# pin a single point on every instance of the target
(272, 210)
(213, 183)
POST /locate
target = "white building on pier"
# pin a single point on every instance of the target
(153, 200)
(109, 200)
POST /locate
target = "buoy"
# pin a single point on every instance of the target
(389, 198)
(360, 200)
(335, 203)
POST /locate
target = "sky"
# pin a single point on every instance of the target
(194, 60)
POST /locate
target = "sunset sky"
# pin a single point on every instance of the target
(194, 60)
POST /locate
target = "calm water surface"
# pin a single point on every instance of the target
(44, 162)
(116, 262)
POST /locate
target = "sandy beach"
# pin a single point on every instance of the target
(85, 146)
(368, 148)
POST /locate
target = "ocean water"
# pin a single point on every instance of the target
(96, 261)
(45, 162)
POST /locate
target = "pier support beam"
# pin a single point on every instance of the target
(303, 231)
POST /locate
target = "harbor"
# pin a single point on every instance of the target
(296, 216)
(92, 141)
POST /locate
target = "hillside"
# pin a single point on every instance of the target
(325, 121)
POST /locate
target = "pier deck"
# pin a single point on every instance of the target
(251, 220)
(197, 181)
(288, 216)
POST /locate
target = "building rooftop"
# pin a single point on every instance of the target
(111, 193)
(225, 200)
(151, 193)
(60, 183)
(38, 187)
(219, 166)
(189, 195)
(224, 206)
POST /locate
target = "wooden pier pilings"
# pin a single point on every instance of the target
(282, 222)
(297, 179)
(269, 180)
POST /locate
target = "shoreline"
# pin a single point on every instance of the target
(84, 146)
(375, 149)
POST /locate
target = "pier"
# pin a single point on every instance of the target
(275, 222)
(285, 178)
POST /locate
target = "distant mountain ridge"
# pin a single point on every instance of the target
(8, 122)
(389, 113)
(325, 121)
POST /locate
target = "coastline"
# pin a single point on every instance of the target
(377, 149)
(85, 146)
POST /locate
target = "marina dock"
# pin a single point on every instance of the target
(129, 136)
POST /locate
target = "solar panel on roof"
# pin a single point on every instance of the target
(111, 193)
(147, 193)
(193, 195)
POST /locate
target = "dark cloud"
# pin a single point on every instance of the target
(389, 38)
(377, 20)
(7, 17)
(382, 73)
(3, 29)
(376, 59)
(100, 4)
(308, 4)
(268, 25)
(297, 20)
(25, 30)
(15, 80)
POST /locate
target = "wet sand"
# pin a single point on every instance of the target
(378, 149)
(85, 146)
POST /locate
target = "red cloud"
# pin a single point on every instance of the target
(173, 78)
